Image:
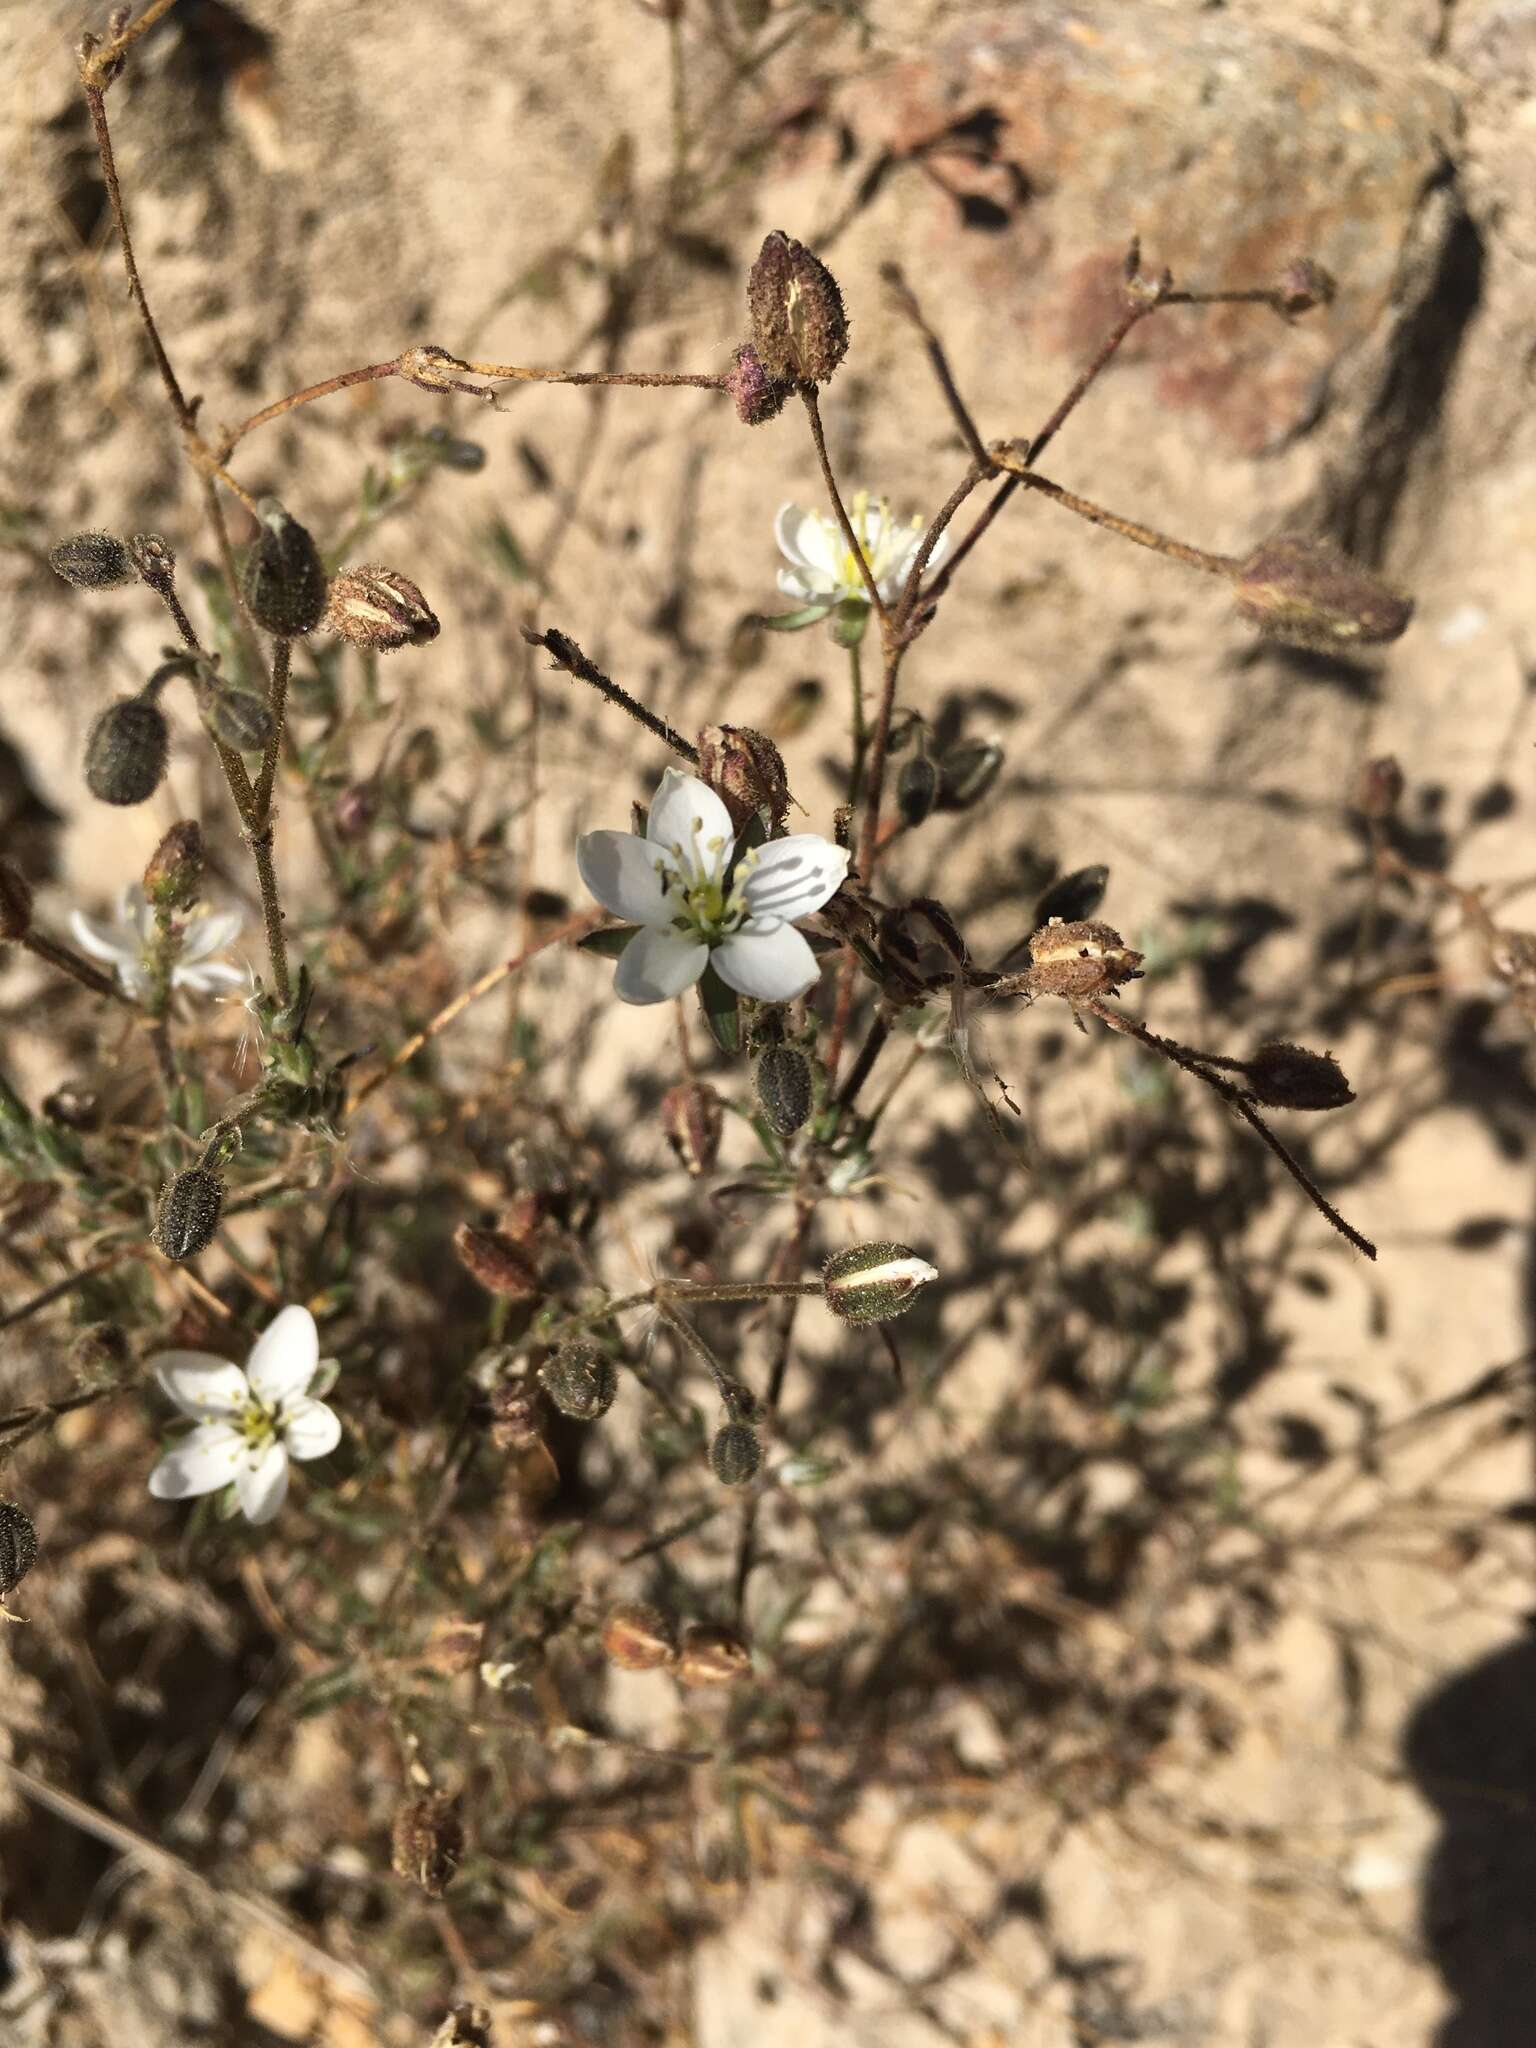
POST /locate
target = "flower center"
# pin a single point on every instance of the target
(257, 1425)
(702, 901)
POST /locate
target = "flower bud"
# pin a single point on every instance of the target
(284, 579)
(237, 718)
(189, 1211)
(693, 1116)
(173, 879)
(18, 1546)
(758, 397)
(1308, 593)
(917, 789)
(580, 1381)
(378, 609)
(501, 1265)
(871, 1283)
(781, 1081)
(1290, 1077)
(799, 326)
(712, 1656)
(428, 1841)
(1379, 789)
(91, 561)
(152, 556)
(966, 772)
(636, 1638)
(746, 770)
(126, 751)
(1304, 284)
(735, 1453)
(15, 902)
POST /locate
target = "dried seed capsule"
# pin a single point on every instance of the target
(173, 880)
(781, 1081)
(428, 1842)
(189, 1211)
(580, 1381)
(966, 772)
(712, 1656)
(637, 1638)
(1080, 957)
(799, 326)
(284, 577)
(746, 770)
(1303, 285)
(1308, 593)
(91, 561)
(871, 1283)
(735, 1453)
(15, 902)
(758, 397)
(378, 609)
(515, 1412)
(18, 1547)
(693, 1117)
(917, 789)
(498, 1262)
(1290, 1077)
(126, 750)
(453, 1644)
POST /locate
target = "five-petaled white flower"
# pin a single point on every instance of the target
(124, 945)
(696, 910)
(822, 567)
(249, 1424)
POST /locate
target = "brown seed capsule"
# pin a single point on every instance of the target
(428, 1842)
(1080, 958)
(284, 579)
(1379, 789)
(434, 369)
(173, 880)
(1303, 285)
(1308, 593)
(872, 1283)
(746, 770)
(188, 1213)
(91, 561)
(15, 902)
(781, 1081)
(799, 326)
(580, 1381)
(18, 1546)
(758, 397)
(126, 751)
(735, 1453)
(498, 1262)
(378, 609)
(1290, 1077)
(637, 1638)
(693, 1117)
(712, 1656)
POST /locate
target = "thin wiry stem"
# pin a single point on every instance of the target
(855, 544)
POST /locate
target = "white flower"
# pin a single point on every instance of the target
(125, 942)
(695, 910)
(822, 566)
(249, 1424)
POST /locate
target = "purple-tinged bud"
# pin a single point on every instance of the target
(173, 880)
(746, 771)
(871, 1283)
(799, 325)
(758, 397)
(354, 810)
(378, 609)
(1308, 593)
(91, 561)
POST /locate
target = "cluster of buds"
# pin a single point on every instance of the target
(638, 1637)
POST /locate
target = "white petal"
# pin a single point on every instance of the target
(688, 815)
(805, 541)
(620, 871)
(211, 934)
(262, 1483)
(797, 583)
(794, 876)
(772, 966)
(200, 1463)
(286, 1355)
(310, 1429)
(200, 1384)
(657, 965)
(102, 941)
(207, 977)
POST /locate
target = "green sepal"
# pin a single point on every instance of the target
(609, 943)
(719, 1005)
(850, 621)
(793, 622)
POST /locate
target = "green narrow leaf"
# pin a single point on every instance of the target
(793, 622)
(720, 1012)
(608, 944)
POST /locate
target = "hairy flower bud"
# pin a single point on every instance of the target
(284, 579)
(173, 880)
(746, 770)
(735, 1453)
(15, 902)
(871, 1283)
(498, 1262)
(781, 1081)
(1379, 789)
(238, 719)
(1290, 1077)
(18, 1547)
(428, 1842)
(712, 1656)
(126, 750)
(799, 326)
(1304, 284)
(637, 1638)
(378, 609)
(966, 772)
(758, 397)
(188, 1214)
(917, 789)
(580, 1381)
(693, 1116)
(1308, 593)
(91, 561)
(99, 1358)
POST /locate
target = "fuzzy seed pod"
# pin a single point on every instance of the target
(580, 1381)
(173, 880)
(15, 902)
(735, 1453)
(284, 577)
(636, 1638)
(1379, 790)
(498, 1262)
(871, 1283)
(126, 750)
(1303, 285)
(966, 772)
(1290, 1077)
(746, 771)
(917, 789)
(693, 1117)
(18, 1546)
(781, 1081)
(428, 1841)
(238, 719)
(799, 326)
(1307, 593)
(378, 609)
(712, 1656)
(155, 561)
(758, 397)
(1080, 957)
(189, 1211)
(91, 561)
